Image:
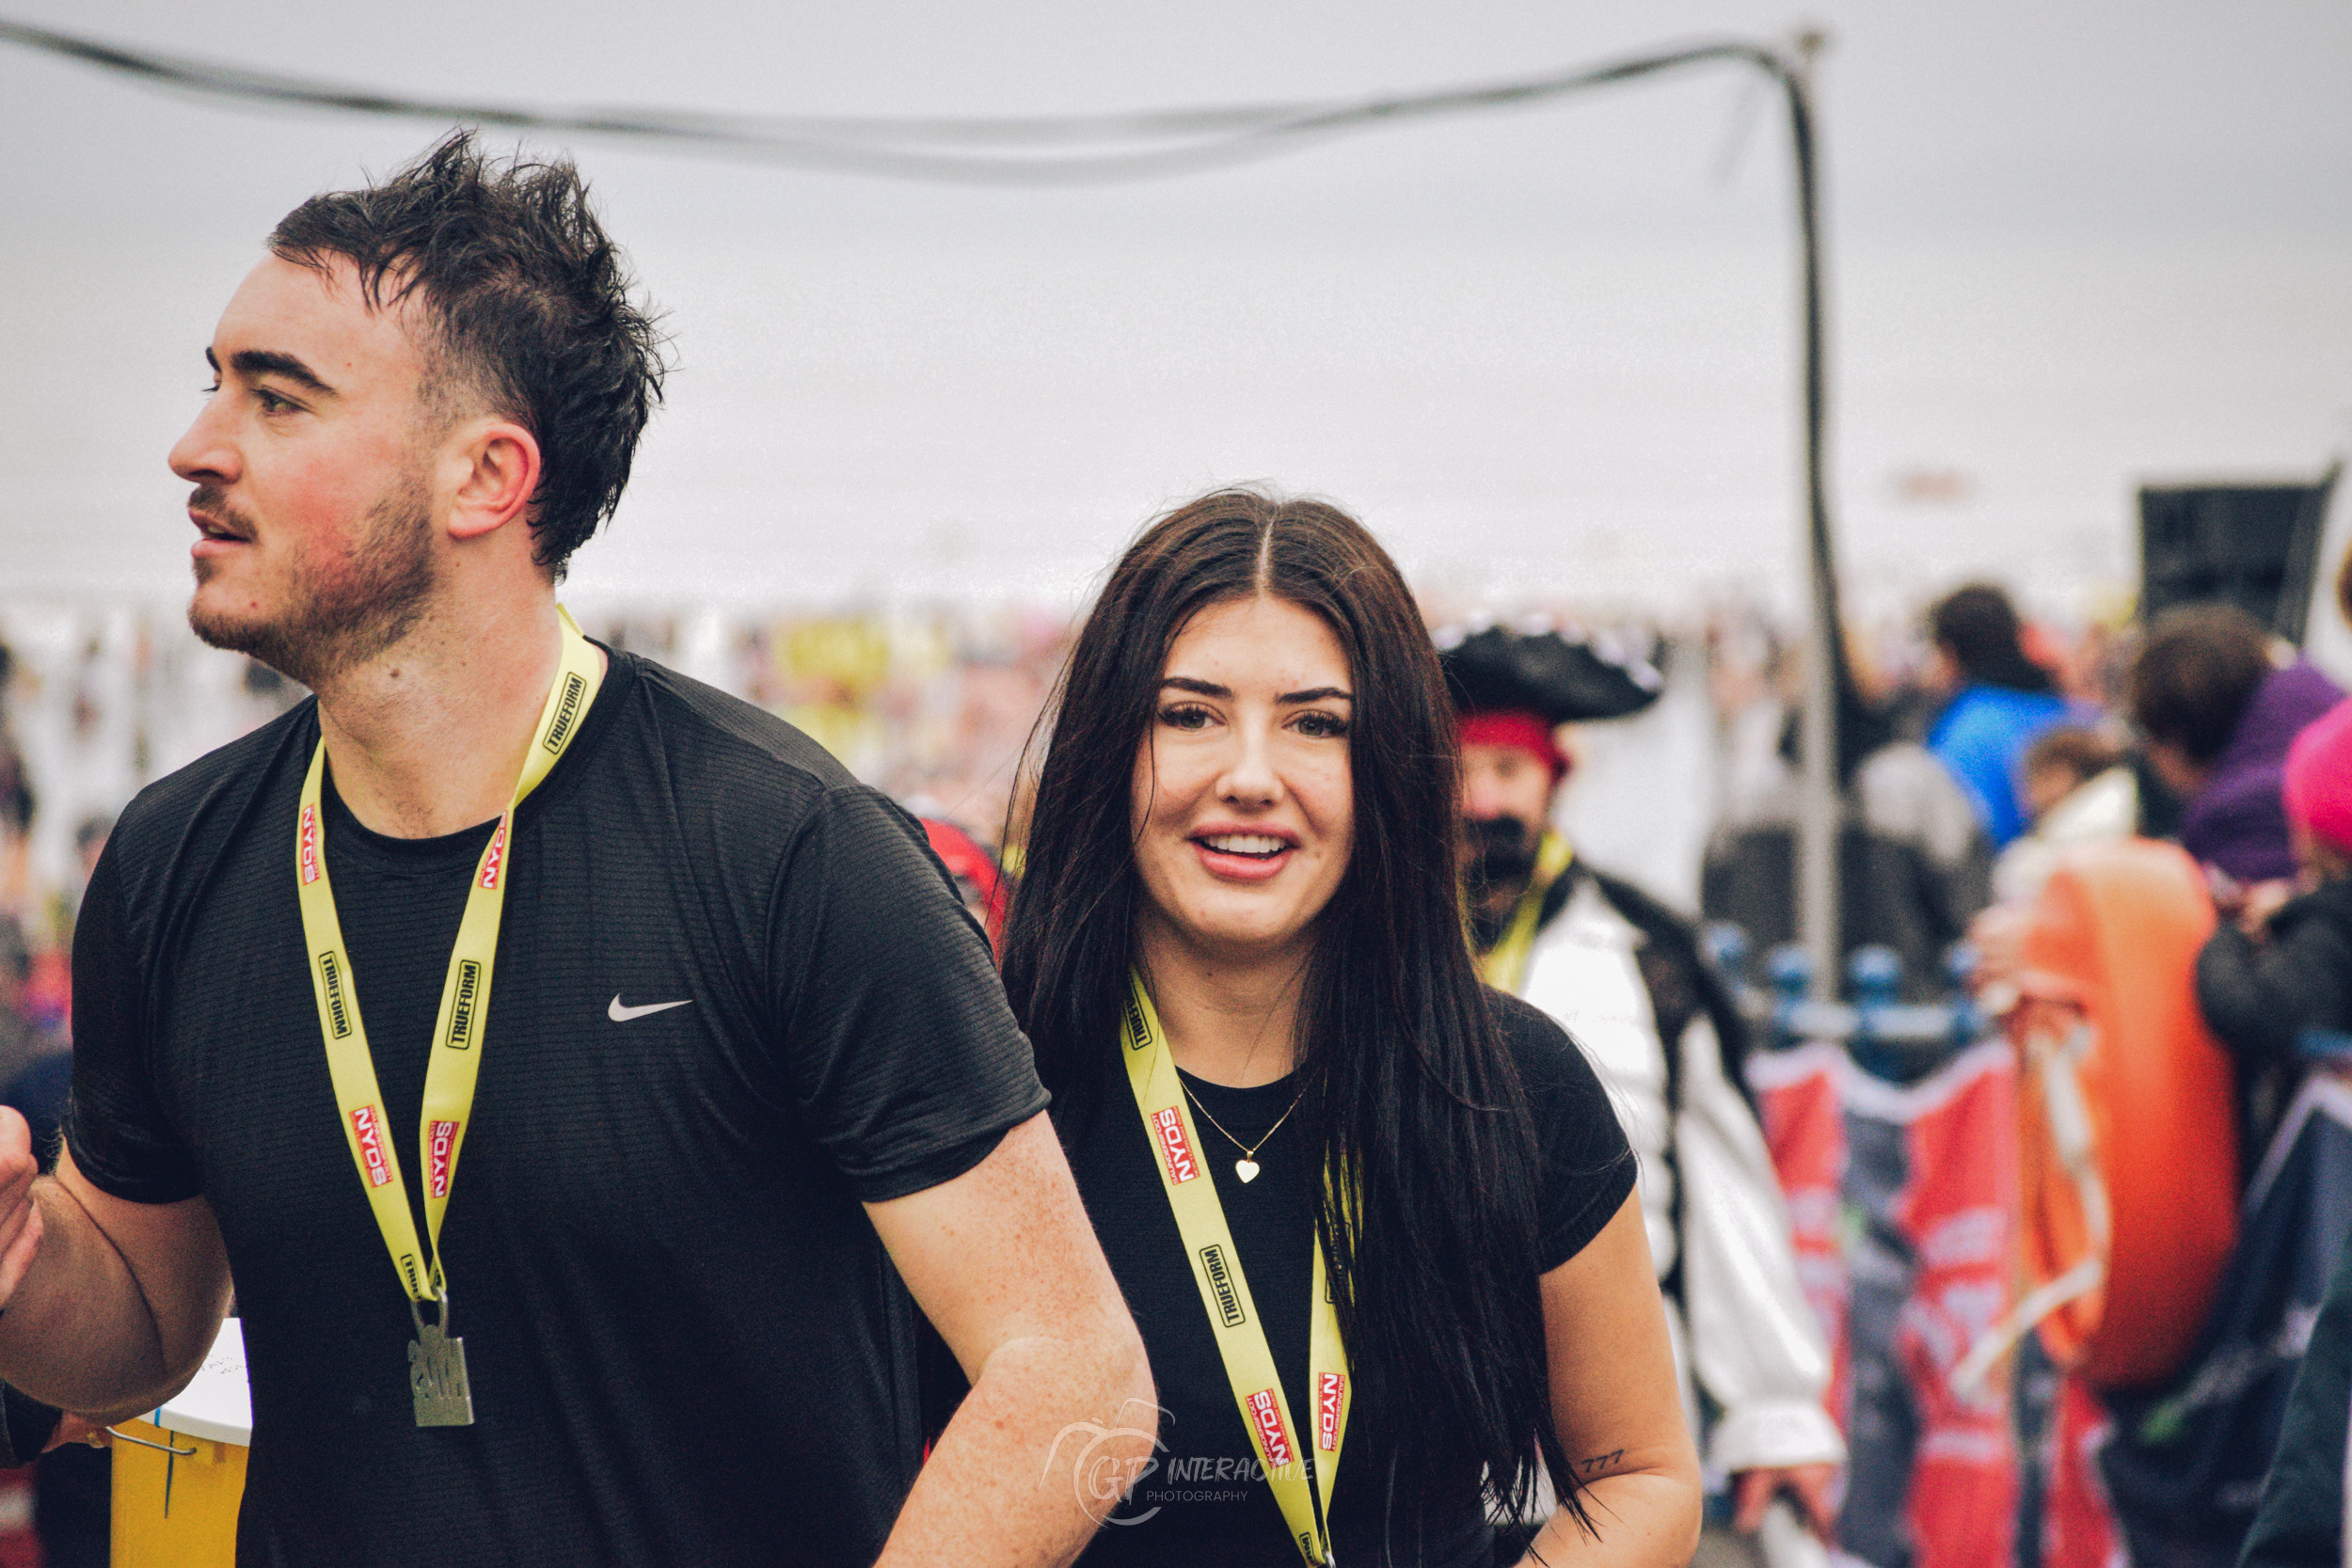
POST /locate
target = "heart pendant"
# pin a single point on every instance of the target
(1247, 1170)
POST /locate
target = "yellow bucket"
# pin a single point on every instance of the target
(176, 1509)
(178, 1475)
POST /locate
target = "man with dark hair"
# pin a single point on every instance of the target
(2219, 713)
(744, 1097)
(526, 308)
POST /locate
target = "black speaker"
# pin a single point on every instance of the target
(2253, 546)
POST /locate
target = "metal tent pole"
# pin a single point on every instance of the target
(1821, 813)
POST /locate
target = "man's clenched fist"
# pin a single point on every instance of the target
(20, 1220)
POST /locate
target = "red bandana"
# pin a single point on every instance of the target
(1519, 727)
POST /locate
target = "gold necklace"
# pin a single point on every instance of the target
(1247, 1166)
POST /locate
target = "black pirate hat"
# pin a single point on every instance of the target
(1562, 679)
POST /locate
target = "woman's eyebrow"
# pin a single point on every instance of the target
(1210, 689)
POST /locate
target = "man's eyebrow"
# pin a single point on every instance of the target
(250, 362)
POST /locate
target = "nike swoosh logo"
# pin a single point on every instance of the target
(619, 1014)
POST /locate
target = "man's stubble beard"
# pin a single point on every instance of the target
(334, 623)
(1501, 855)
(1500, 860)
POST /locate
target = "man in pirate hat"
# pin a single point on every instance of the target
(1624, 975)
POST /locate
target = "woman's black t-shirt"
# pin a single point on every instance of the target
(1203, 1503)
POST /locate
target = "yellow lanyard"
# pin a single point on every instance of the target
(448, 1082)
(1504, 967)
(1241, 1340)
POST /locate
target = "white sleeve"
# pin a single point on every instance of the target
(1755, 1345)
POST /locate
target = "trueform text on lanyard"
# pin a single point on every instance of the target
(1302, 1484)
(437, 1361)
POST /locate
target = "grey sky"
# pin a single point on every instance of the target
(2074, 246)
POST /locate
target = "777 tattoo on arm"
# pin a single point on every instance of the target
(1598, 1462)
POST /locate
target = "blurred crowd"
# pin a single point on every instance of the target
(2128, 849)
(1979, 754)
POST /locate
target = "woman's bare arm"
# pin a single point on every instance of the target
(1619, 1414)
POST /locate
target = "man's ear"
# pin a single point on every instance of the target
(497, 467)
(1568, 741)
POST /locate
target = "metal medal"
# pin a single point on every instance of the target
(436, 1373)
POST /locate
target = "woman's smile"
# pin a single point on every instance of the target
(1243, 856)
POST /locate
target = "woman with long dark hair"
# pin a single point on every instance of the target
(1363, 1209)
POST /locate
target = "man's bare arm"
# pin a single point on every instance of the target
(110, 1305)
(1060, 1416)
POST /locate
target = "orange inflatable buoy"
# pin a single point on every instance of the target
(2127, 1112)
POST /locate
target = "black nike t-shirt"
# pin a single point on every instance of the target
(1204, 1500)
(735, 996)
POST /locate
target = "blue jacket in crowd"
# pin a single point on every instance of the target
(1980, 736)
